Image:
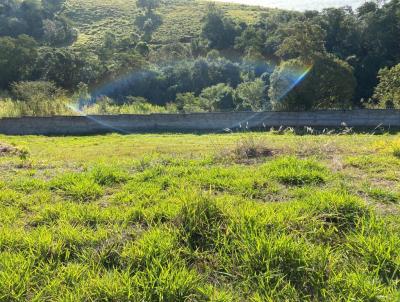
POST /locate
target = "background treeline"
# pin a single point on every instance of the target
(279, 60)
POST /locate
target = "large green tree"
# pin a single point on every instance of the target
(218, 30)
(217, 97)
(252, 95)
(343, 31)
(388, 90)
(40, 19)
(303, 40)
(327, 83)
(17, 59)
(67, 68)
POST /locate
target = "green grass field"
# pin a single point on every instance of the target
(235, 217)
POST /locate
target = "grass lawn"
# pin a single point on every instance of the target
(234, 217)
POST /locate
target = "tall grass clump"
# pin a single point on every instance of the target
(77, 187)
(9, 108)
(396, 152)
(247, 149)
(161, 274)
(37, 98)
(107, 175)
(379, 252)
(251, 147)
(338, 211)
(278, 266)
(202, 223)
(392, 147)
(293, 171)
(157, 244)
(383, 195)
(16, 270)
(135, 106)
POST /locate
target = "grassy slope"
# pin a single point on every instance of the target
(179, 218)
(181, 18)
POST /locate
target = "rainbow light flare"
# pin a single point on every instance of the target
(75, 108)
(289, 80)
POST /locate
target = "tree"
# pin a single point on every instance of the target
(52, 7)
(41, 19)
(328, 83)
(303, 40)
(252, 95)
(31, 12)
(200, 75)
(388, 90)
(343, 31)
(218, 30)
(58, 32)
(35, 91)
(68, 68)
(17, 58)
(380, 46)
(148, 5)
(148, 21)
(188, 102)
(252, 38)
(217, 97)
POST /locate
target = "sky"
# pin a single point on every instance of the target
(299, 4)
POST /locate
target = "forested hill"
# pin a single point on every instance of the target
(125, 56)
(181, 19)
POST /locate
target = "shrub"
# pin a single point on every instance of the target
(36, 91)
(387, 92)
(6, 150)
(251, 147)
(134, 106)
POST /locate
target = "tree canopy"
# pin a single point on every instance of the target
(388, 90)
(280, 60)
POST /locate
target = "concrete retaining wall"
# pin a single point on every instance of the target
(80, 125)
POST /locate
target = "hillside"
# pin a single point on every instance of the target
(195, 56)
(181, 19)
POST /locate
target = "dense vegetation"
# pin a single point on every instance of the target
(195, 56)
(262, 217)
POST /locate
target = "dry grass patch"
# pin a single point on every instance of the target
(9, 150)
(248, 150)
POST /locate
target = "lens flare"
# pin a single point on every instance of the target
(288, 80)
(75, 108)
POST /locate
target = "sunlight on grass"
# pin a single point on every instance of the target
(179, 226)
